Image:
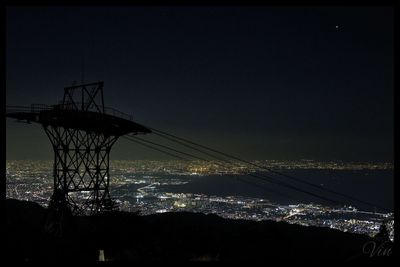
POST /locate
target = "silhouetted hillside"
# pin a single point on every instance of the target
(174, 237)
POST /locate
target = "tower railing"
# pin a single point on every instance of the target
(37, 108)
(34, 108)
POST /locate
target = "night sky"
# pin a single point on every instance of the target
(258, 82)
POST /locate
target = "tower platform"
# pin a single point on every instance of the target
(82, 131)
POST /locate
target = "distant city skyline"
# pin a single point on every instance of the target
(257, 82)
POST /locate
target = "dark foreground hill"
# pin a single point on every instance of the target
(175, 237)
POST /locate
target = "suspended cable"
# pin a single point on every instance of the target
(164, 135)
(191, 147)
(260, 176)
(154, 148)
(235, 177)
(147, 141)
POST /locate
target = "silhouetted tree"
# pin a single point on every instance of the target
(383, 234)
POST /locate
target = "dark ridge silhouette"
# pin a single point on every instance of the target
(175, 237)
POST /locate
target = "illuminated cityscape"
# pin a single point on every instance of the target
(203, 132)
(153, 187)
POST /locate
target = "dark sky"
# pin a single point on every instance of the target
(259, 82)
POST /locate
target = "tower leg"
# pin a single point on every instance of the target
(81, 170)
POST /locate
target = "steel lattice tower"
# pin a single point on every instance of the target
(82, 132)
